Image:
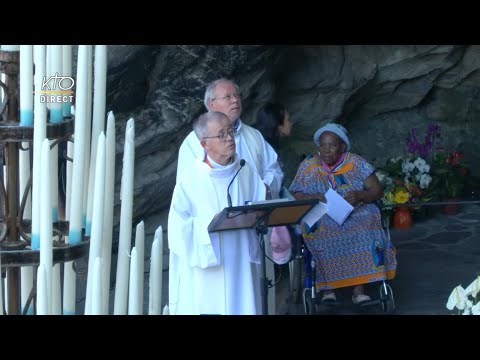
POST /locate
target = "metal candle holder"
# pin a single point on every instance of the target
(15, 231)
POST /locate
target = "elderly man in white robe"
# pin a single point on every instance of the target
(224, 96)
(213, 273)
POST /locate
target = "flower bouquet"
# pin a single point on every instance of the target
(465, 300)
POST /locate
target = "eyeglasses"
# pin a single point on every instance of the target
(228, 97)
(223, 136)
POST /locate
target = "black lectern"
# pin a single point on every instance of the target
(260, 216)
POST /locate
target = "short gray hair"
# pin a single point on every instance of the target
(200, 126)
(211, 88)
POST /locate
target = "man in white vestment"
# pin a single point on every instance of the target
(224, 96)
(213, 273)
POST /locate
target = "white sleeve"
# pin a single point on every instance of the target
(188, 235)
(272, 173)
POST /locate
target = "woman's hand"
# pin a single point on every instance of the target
(353, 197)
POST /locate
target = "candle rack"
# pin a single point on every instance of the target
(15, 231)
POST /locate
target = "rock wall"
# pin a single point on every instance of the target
(378, 92)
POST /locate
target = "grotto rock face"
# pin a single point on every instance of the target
(377, 92)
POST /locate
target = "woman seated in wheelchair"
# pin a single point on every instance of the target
(358, 251)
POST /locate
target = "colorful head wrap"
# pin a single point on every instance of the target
(335, 128)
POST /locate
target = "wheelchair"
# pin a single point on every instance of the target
(302, 282)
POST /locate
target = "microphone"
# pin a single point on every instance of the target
(229, 199)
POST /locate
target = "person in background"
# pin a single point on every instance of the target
(213, 273)
(273, 121)
(224, 95)
(358, 251)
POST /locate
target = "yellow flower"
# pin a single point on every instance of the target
(401, 196)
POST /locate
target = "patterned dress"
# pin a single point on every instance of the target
(356, 252)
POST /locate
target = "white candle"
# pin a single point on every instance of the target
(67, 71)
(24, 176)
(56, 116)
(56, 70)
(134, 307)
(108, 208)
(97, 224)
(46, 226)
(166, 310)
(88, 127)
(69, 276)
(1, 289)
(10, 47)
(98, 122)
(126, 210)
(75, 228)
(39, 134)
(155, 281)
(42, 298)
(56, 291)
(97, 289)
(140, 246)
(26, 85)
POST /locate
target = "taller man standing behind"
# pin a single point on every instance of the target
(224, 96)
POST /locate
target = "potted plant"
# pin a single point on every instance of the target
(450, 177)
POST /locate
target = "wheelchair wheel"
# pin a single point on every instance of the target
(295, 272)
(386, 298)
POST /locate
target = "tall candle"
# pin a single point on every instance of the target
(69, 279)
(1, 289)
(39, 134)
(56, 291)
(140, 246)
(98, 120)
(88, 127)
(42, 297)
(126, 210)
(46, 226)
(76, 207)
(24, 176)
(56, 69)
(155, 281)
(133, 294)
(97, 224)
(67, 71)
(69, 276)
(97, 289)
(26, 85)
(56, 116)
(108, 208)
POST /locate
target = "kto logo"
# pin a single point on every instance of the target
(57, 89)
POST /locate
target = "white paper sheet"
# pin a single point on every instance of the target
(338, 207)
(315, 214)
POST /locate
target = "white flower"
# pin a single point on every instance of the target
(425, 180)
(457, 298)
(422, 165)
(473, 288)
(460, 298)
(476, 309)
(407, 167)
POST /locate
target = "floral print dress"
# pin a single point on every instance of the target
(356, 252)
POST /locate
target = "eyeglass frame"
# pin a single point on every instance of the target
(232, 132)
(228, 97)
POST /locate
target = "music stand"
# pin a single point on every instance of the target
(260, 216)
